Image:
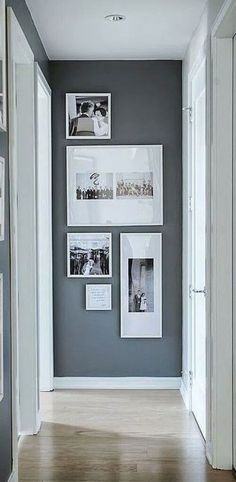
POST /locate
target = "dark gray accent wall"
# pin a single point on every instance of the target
(25, 20)
(146, 109)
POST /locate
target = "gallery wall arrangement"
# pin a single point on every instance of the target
(114, 186)
(117, 311)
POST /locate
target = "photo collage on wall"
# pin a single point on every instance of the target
(110, 185)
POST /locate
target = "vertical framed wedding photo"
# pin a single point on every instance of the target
(3, 101)
(141, 285)
(89, 255)
(2, 198)
(88, 116)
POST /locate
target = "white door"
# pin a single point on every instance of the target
(198, 291)
(23, 227)
(44, 230)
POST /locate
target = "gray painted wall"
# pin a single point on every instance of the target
(146, 109)
(28, 27)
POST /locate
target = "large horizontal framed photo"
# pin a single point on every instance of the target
(3, 101)
(89, 255)
(114, 185)
(88, 116)
(141, 285)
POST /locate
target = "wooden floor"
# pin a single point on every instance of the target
(116, 436)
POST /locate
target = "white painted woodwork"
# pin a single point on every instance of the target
(23, 232)
(44, 230)
(198, 215)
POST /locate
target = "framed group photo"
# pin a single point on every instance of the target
(88, 116)
(141, 285)
(114, 185)
(89, 255)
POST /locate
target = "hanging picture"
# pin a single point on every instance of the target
(88, 116)
(3, 115)
(1, 337)
(89, 255)
(141, 285)
(2, 197)
(98, 297)
(114, 185)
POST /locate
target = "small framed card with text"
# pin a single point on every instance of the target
(98, 297)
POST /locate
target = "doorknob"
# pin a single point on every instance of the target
(204, 291)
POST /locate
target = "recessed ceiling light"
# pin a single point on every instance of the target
(115, 18)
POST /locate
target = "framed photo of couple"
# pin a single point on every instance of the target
(114, 185)
(141, 285)
(88, 116)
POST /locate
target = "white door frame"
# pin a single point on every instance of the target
(220, 242)
(197, 64)
(219, 272)
(44, 237)
(25, 419)
(200, 61)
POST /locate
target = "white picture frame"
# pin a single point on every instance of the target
(1, 340)
(141, 285)
(3, 80)
(98, 297)
(96, 121)
(2, 198)
(89, 255)
(140, 167)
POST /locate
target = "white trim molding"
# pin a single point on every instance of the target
(13, 477)
(185, 394)
(219, 340)
(117, 383)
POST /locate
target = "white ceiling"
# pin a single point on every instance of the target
(153, 29)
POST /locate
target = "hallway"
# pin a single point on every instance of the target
(116, 436)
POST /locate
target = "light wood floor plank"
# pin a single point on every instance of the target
(116, 436)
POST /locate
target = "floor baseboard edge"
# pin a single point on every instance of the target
(117, 383)
(13, 477)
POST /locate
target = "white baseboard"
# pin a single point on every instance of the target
(185, 394)
(13, 477)
(118, 383)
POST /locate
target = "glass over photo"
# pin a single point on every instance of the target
(89, 255)
(141, 285)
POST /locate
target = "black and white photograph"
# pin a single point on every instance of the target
(134, 185)
(3, 116)
(88, 116)
(141, 285)
(89, 255)
(125, 181)
(94, 186)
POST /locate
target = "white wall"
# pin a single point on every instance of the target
(198, 46)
